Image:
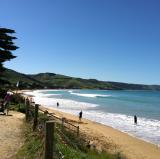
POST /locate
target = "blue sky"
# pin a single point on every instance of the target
(112, 40)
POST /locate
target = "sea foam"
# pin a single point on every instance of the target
(44, 99)
(90, 95)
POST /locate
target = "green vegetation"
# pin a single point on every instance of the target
(2, 92)
(6, 46)
(33, 146)
(9, 79)
(73, 147)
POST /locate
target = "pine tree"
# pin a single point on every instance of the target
(6, 46)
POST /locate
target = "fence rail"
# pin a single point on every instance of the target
(63, 121)
(54, 124)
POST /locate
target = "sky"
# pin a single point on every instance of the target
(110, 40)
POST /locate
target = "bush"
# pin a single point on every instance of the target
(2, 93)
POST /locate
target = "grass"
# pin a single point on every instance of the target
(34, 147)
(72, 147)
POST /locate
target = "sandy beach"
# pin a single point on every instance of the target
(107, 138)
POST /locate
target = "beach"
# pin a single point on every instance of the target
(106, 137)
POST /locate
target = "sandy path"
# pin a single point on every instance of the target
(10, 134)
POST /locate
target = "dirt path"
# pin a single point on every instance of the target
(10, 134)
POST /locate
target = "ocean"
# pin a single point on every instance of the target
(112, 108)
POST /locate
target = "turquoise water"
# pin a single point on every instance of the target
(142, 103)
(113, 108)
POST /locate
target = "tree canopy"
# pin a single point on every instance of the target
(6, 46)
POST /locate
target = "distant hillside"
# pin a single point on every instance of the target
(10, 78)
(51, 80)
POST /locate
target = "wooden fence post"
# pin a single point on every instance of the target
(35, 117)
(62, 124)
(27, 109)
(25, 100)
(77, 130)
(49, 139)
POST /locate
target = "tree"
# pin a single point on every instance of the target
(6, 46)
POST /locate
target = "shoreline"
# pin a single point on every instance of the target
(113, 140)
(127, 133)
(108, 138)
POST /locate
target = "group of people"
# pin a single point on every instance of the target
(80, 115)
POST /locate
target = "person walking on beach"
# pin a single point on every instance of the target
(80, 115)
(57, 104)
(135, 119)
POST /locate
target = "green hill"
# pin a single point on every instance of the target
(51, 80)
(9, 78)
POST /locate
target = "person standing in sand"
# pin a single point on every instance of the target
(80, 115)
(57, 104)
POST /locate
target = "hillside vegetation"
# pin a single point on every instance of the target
(9, 79)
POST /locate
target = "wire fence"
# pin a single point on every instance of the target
(68, 139)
